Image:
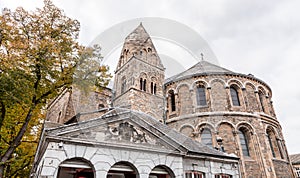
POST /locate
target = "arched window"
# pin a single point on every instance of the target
(206, 137)
(122, 170)
(153, 88)
(244, 143)
(274, 142)
(280, 146)
(271, 137)
(161, 172)
(75, 168)
(143, 84)
(100, 106)
(201, 96)
(261, 100)
(172, 100)
(123, 86)
(234, 96)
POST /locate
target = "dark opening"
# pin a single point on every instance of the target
(244, 143)
(122, 170)
(161, 172)
(234, 96)
(75, 168)
(201, 96)
(144, 86)
(206, 137)
(172, 100)
(261, 99)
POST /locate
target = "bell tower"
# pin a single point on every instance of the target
(139, 75)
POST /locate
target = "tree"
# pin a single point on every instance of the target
(39, 57)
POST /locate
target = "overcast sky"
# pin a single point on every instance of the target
(257, 37)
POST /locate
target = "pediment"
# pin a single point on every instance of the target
(123, 129)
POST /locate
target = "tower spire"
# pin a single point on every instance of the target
(138, 44)
(139, 75)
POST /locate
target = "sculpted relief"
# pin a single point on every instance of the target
(125, 132)
(118, 132)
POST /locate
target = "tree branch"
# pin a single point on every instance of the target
(2, 115)
(17, 140)
(49, 92)
(25, 164)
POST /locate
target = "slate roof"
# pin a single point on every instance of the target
(295, 158)
(175, 136)
(201, 68)
(169, 135)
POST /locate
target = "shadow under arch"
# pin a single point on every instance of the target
(161, 171)
(123, 169)
(76, 168)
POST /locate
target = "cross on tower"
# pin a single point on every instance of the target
(202, 56)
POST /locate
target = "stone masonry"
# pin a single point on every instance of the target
(231, 113)
(255, 116)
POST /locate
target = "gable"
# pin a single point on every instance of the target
(131, 129)
(121, 129)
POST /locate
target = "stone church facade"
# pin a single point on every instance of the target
(204, 122)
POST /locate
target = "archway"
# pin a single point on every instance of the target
(161, 172)
(76, 168)
(122, 170)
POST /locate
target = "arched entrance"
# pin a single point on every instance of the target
(122, 170)
(75, 168)
(161, 172)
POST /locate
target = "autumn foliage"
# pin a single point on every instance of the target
(39, 57)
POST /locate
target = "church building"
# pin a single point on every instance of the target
(205, 122)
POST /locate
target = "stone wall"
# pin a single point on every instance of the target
(74, 101)
(141, 101)
(255, 116)
(282, 169)
(56, 111)
(128, 91)
(102, 158)
(210, 167)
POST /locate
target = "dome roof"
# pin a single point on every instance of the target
(201, 68)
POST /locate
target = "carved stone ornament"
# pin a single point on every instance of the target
(125, 132)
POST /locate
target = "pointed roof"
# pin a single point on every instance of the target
(165, 138)
(139, 34)
(138, 44)
(201, 68)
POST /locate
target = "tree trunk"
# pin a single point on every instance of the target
(15, 143)
(1, 170)
(2, 114)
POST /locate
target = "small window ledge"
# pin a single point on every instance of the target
(202, 106)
